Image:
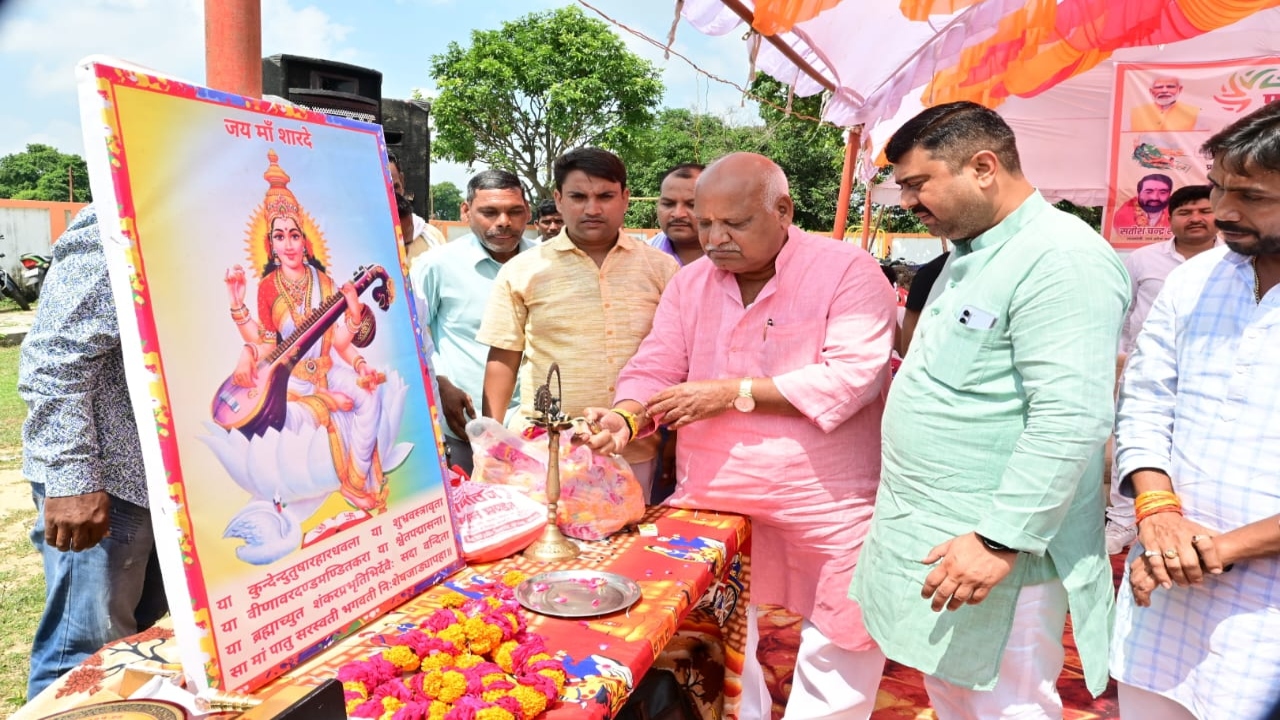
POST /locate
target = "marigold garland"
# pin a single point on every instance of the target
(471, 660)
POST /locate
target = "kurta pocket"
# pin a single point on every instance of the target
(792, 346)
(956, 360)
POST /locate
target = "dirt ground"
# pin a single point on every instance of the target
(15, 493)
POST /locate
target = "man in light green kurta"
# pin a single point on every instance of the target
(988, 523)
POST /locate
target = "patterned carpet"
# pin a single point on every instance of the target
(902, 695)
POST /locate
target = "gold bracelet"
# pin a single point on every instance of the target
(354, 327)
(633, 423)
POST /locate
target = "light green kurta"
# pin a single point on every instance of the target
(1000, 430)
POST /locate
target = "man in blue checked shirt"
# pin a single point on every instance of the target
(1198, 446)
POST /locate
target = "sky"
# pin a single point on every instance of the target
(41, 41)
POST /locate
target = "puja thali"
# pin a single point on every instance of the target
(577, 593)
(125, 710)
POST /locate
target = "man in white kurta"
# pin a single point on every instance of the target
(1198, 624)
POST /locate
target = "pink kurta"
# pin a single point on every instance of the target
(822, 328)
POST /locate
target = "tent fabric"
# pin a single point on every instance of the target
(1047, 66)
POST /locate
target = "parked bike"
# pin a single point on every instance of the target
(34, 268)
(10, 289)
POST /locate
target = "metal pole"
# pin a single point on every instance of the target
(233, 46)
(748, 15)
(846, 182)
(866, 221)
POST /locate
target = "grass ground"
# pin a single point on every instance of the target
(12, 410)
(21, 600)
(21, 578)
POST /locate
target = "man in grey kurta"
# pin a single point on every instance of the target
(988, 523)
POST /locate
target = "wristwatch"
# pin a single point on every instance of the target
(744, 402)
(994, 546)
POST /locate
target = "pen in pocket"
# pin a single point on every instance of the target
(767, 324)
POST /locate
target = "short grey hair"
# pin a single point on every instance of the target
(493, 180)
(775, 186)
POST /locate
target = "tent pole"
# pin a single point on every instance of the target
(846, 182)
(866, 221)
(233, 46)
(749, 16)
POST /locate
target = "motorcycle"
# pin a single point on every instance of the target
(10, 289)
(34, 268)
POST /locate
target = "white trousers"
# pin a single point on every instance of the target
(830, 683)
(1120, 509)
(1029, 670)
(1139, 704)
(644, 476)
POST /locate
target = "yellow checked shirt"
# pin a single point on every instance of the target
(553, 304)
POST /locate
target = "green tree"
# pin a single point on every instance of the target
(1091, 215)
(540, 85)
(678, 136)
(41, 173)
(446, 201)
(811, 154)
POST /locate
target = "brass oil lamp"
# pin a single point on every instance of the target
(552, 545)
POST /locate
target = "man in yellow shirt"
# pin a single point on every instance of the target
(1166, 113)
(583, 299)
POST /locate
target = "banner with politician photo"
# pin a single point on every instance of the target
(1161, 116)
(272, 350)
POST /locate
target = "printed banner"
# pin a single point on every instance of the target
(288, 430)
(1163, 113)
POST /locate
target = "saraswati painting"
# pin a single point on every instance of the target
(275, 367)
(304, 415)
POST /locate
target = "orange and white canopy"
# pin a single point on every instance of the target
(1046, 65)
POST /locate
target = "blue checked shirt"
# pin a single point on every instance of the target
(1201, 400)
(80, 436)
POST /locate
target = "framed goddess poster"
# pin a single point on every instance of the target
(274, 363)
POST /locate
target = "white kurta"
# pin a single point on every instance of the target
(1201, 399)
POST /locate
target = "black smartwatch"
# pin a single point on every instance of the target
(994, 546)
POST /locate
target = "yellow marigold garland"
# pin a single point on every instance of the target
(472, 659)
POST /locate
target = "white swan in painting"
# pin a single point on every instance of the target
(290, 474)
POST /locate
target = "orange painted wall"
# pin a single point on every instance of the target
(60, 213)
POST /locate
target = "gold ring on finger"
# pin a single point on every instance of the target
(1171, 554)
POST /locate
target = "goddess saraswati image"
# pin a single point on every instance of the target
(304, 415)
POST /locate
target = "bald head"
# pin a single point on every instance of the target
(750, 174)
(744, 212)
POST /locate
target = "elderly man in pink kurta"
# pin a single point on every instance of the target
(770, 356)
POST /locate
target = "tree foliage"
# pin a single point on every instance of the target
(1091, 215)
(446, 201)
(40, 173)
(679, 136)
(540, 85)
(812, 154)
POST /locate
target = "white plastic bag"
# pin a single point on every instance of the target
(598, 495)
